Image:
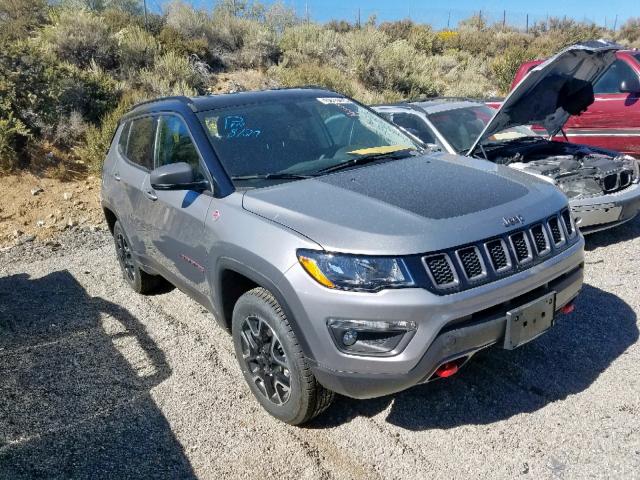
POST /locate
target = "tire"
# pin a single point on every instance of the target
(258, 317)
(139, 280)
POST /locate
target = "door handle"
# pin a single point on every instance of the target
(116, 175)
(150, 195)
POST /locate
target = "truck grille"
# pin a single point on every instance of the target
(441, 270)
(471, 265)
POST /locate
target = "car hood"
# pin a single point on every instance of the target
(554, 90)
(406, 206)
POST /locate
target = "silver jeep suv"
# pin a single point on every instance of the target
(342, 255)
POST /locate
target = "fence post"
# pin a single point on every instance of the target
(527, 27)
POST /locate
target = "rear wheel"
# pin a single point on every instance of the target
(139, 280)
(272, 361)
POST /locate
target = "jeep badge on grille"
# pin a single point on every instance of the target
(511, 221)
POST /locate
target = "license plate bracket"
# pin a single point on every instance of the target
(529, 321)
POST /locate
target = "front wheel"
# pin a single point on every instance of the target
(272, 361)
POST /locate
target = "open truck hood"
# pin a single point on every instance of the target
(554, 90)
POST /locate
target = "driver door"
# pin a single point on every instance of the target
(178, 216)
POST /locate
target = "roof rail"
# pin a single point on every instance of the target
(180, 98)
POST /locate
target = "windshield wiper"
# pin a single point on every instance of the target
(368, 158)
(272, 176)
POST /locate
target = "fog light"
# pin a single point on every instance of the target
(350, 337)
(371, 337)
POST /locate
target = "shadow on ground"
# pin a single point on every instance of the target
(497, 384)
(71, 404)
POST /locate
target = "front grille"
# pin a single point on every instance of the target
(556, 231)
(568, 222)
(441, 270)
(540, 239)
(472, 263)
(497, 251)
(610, 182)
(626, 177)
(521, 247)
(467, 266)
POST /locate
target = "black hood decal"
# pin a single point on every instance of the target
(430, 187)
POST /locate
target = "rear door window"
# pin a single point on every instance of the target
(141, 142)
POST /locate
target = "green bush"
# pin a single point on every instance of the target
(505, 66)
(80, 37)
(313, 74)
(173, 74)
(136, 49)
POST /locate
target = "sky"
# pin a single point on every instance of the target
(439, 13)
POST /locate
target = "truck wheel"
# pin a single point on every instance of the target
(272, 361)
(138, 280)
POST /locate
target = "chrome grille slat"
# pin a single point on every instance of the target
(499, 255)
(557, 234)
(521, 247)
(472, 263)
(540, 239)
(569, 225)
(441, 270)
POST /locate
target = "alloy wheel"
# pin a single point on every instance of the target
(265, 360)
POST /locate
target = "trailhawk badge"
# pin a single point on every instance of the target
(511, 221)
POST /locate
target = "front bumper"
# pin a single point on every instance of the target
(456, 342)
(447, 325)
(606, 211)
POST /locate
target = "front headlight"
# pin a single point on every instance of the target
(355, 272)
(634, 163)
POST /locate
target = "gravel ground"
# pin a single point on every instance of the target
(98, 382)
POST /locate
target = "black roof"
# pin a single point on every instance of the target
(210, 102)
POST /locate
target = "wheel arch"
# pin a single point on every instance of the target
(233, 280)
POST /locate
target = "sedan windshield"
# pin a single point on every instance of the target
(462, 126)
(296, 137)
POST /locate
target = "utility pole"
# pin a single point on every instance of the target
(144, 4)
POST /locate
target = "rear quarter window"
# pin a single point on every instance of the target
(141, 142)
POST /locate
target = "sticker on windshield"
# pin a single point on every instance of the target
(334, 100)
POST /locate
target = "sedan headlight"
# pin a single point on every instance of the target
(355, 272)
(634, 164)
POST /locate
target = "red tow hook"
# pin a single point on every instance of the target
(446, 370)
(568, 308)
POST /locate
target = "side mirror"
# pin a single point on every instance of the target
(176, 176)
(631, 85)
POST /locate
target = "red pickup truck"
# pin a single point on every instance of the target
(613, 120)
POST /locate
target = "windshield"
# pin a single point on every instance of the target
(462, 126)
(298, 137)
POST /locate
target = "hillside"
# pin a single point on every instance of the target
(67, 72)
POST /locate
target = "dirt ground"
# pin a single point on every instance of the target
(97, 382)
(39, 208)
